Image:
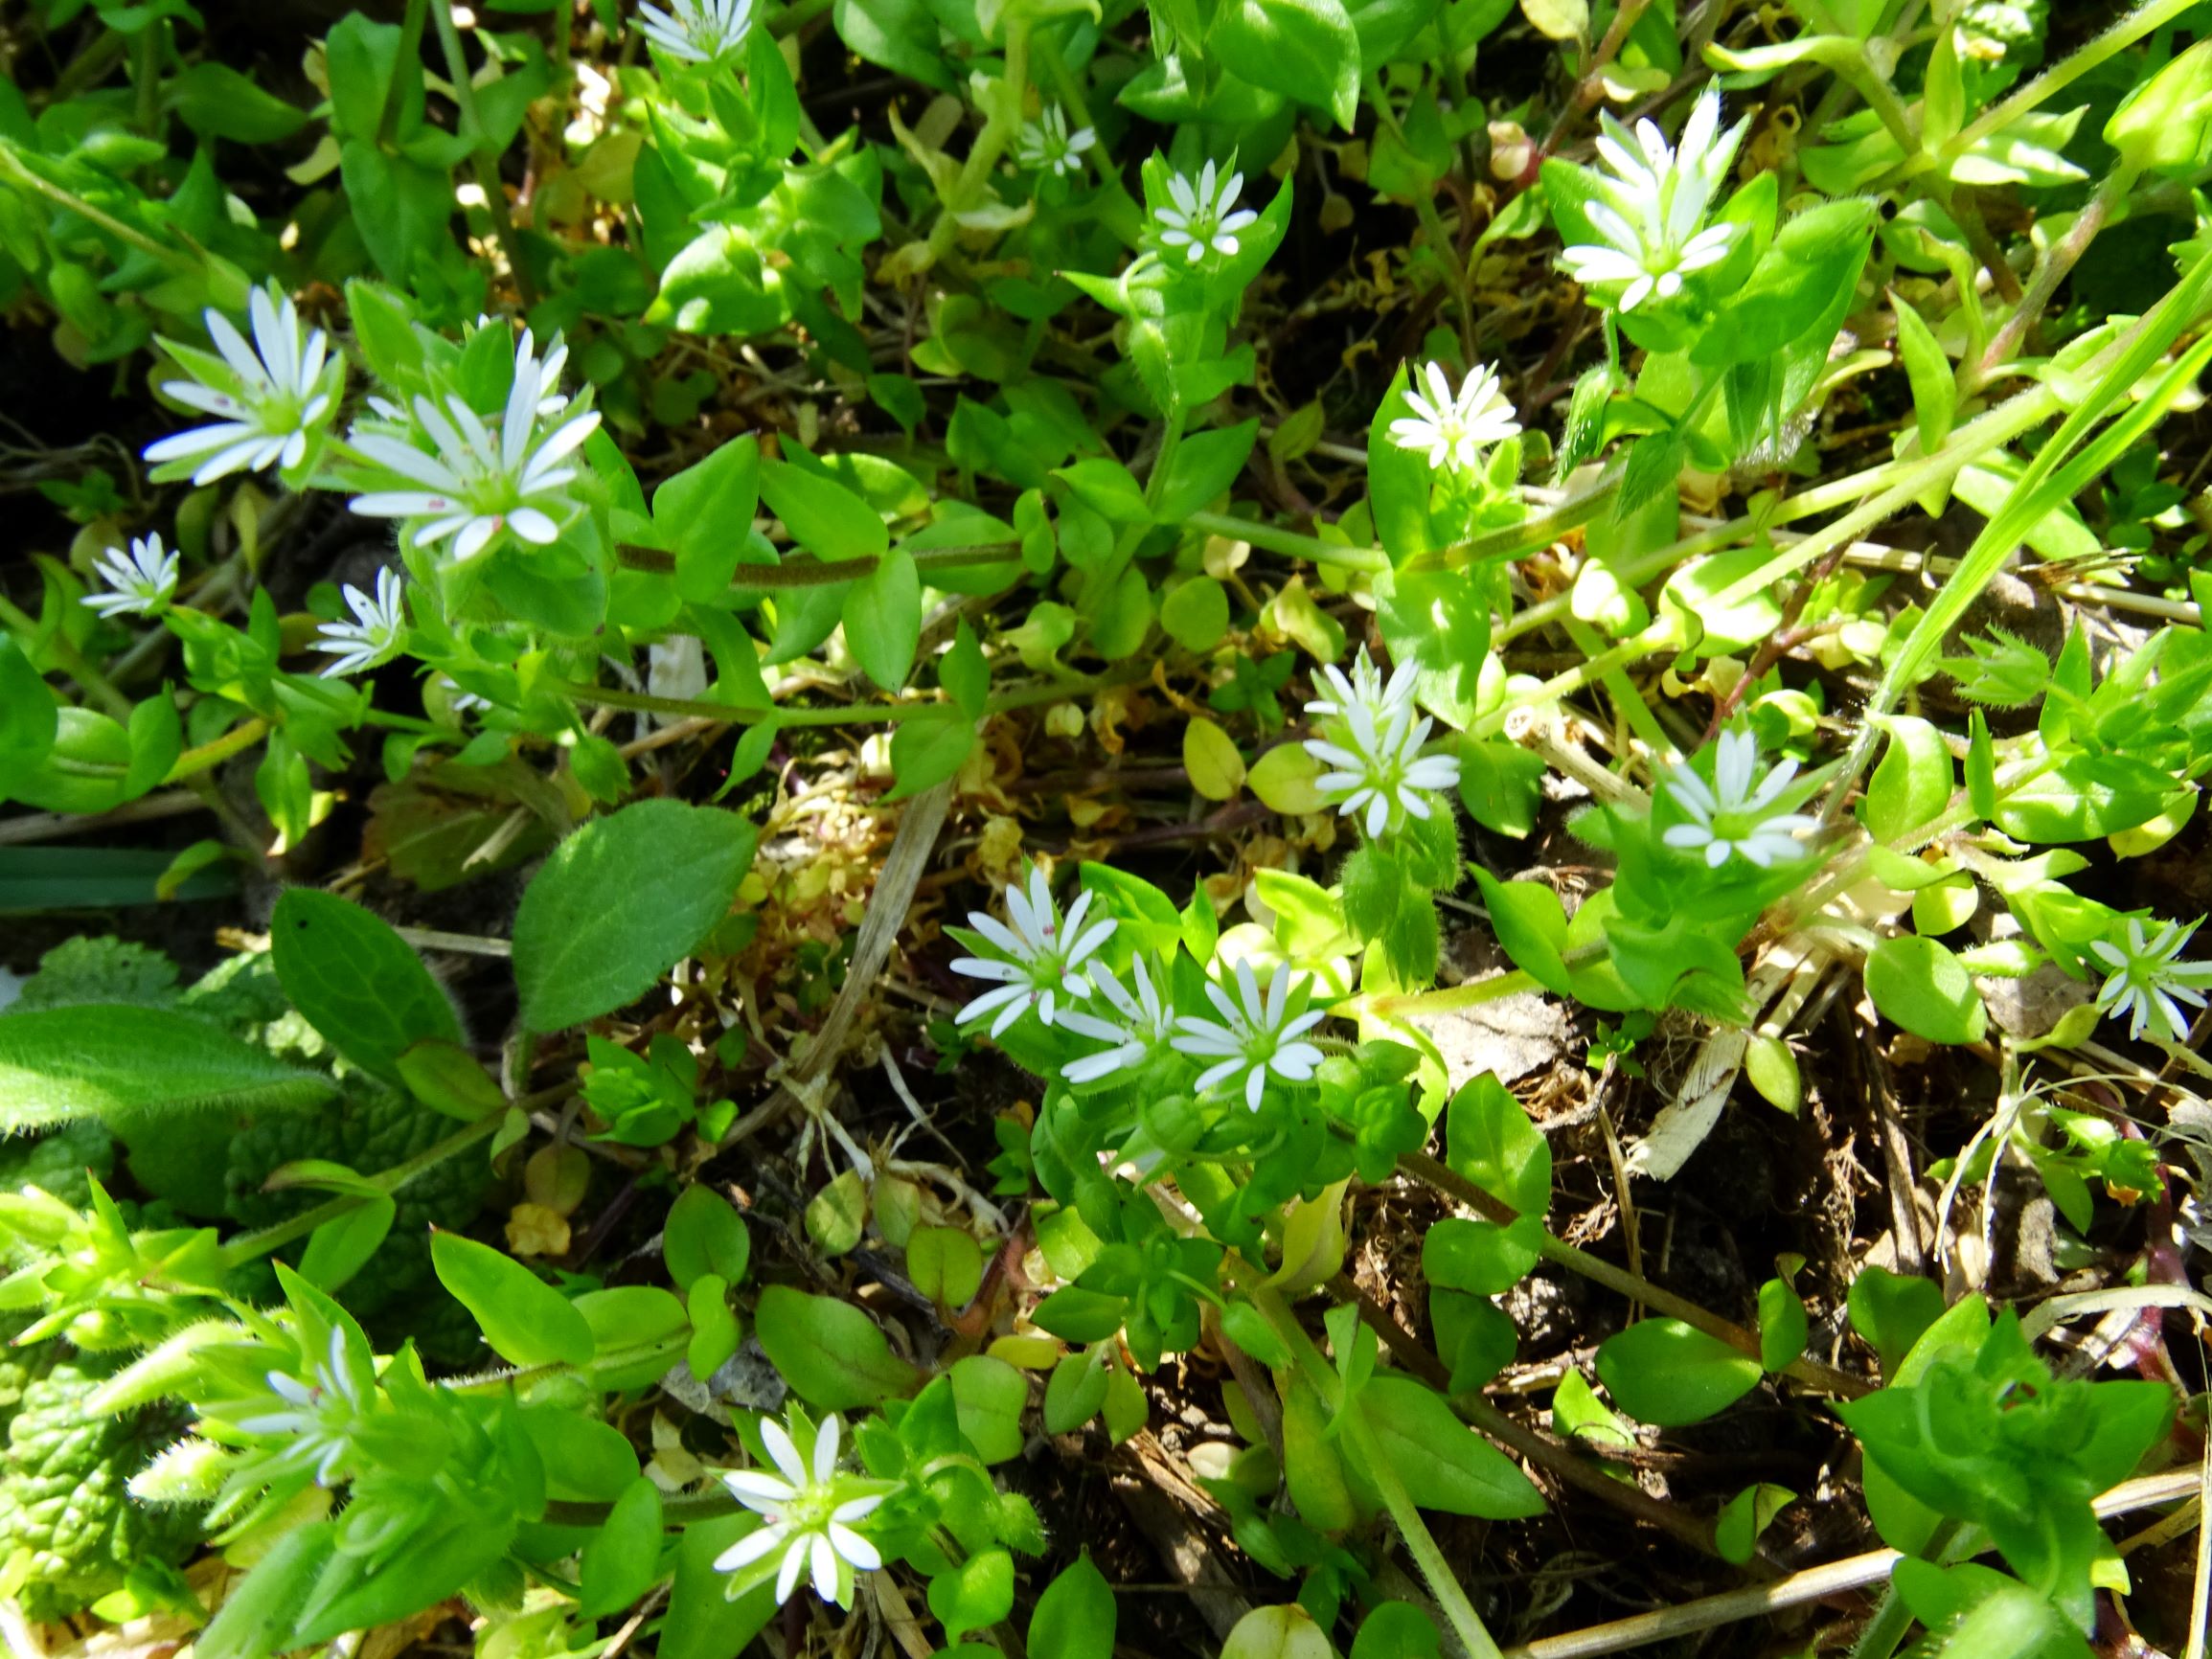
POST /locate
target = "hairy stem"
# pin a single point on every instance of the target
(483, 160)
(247, 1246)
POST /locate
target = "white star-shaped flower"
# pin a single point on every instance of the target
(808, 1517)
(1658, 196)
(318, 1416)
(1046, 146)
(1729, 815)
(1146, 1024)
(2146, 982)
(1371, 743)
(697, 31)
(1454, 428)
(1198, 217)
(1041, 959)
(270, 403)
(380, 623)
(1256, 1034)
(477, 481)
(140, 582)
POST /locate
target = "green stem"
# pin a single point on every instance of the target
(1638, 713)
(241, 737)
(1893, 1618)
(1450, 1596)
(1163, 464)
(2000, 426)
(1421, 1167)
(485, 163)
(1663, 635)
(2121, 35)
(145, 78)
(1000, 127)
(1288, 542)
(796, 572)
(247, 1246)
(1459, 1612)
(1417, 1003)
(873, 715)
(14, 170)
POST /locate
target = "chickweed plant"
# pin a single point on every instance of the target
(962, 792)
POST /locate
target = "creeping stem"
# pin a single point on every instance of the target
(1450, 1596)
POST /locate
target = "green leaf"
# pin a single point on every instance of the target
(1107, 487)
(1074, 1314)
(156, 733)
(1914, 784)
(1489, 1140)
(1196, 613)
(28, 717)
(216, 102)
(637, 1331)
(1501, 784)
(928, 749)
(975, 1595)
(965, 674)
(831, 1354)
(715, 1331)
(1473, 1337)
(1981, 767)
(1285, 1633)
(1397, 479)
(1783, 1327)
(1891, 1311)
(1205, 464)
(447, 1078)
(262, 1610)
(620, 902)
(822, 515)
(837, 1213)
(1531, 923)
(1305, 50)
(900, 36)
(1125, 1410)
(1771, 1066)
(341, 1246)
(1744, 1516)
(1934, 392)
(1671, 1373)
(883, 618)
(1075, 1615)
(1439, 622)
(1073, 1394)
(703, 516)
(989, 1395)
(1397, 1630)
(703, 1622)
(1445, 1465)
(1811, 268)
(1921, 988)
(525, 1319)
(704, 1234)
(104, 1060)
(946, 1265)
(622, 1560)
(357, 981)
(1479, 1257)
(2085, 798)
